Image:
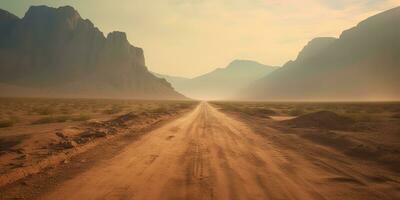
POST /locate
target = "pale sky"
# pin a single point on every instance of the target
(192, 37)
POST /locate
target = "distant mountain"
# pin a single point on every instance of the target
(222, 83)
(174, 80)
(58, 52)
(362, 64)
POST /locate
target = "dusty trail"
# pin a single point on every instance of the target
(208, 155)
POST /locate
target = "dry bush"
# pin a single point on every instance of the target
(160, 110)
(397, 116)
(11, 121)
(114, 110)
(53, 119)
(44, 110)
(6, 123)
(81, 117)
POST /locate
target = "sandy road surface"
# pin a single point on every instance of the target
(208, 155)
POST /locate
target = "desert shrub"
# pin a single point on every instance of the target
(14, 119)
(397, 116)
(44, 110)
(6, 123)
(66, 110)
(160, 110)
(113, 110)
(183, 105)
(81, 117)
(9, 122)
(52, 119)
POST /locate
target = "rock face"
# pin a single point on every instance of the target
(54, 49)
(175, 81)
(314, 47)
(222, 83)
(362, 64)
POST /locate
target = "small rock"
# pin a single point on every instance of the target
(112, 130)
(93, 134)
(81, 140)
(24, 183)
(18, 151)
(67, 144)
(61, 135)
(22, 157)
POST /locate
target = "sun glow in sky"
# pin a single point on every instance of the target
(191, 37)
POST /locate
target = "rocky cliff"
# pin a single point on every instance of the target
(60, 53)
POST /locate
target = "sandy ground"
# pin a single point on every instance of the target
(207, 154)
(27, 148)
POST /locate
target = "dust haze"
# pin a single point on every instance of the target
(214, 100)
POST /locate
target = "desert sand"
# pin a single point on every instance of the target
(207, 154)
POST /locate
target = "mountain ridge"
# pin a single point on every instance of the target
(221, 83)
(56, 50)
(362, 64)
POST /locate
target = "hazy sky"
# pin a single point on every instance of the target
(191, 37)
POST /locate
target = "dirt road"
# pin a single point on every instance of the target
(209, 155)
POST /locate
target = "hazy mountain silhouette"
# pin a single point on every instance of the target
(61, 54)
(174, 80)
(362, 64)
(222, 83)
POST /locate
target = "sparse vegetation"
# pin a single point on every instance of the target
(14, 111)
(9, 122)
(47, 110)
(52, 119)
(360, 112)
(249, 108)
(6, 123)
(113, 110)
(38, 128)
(81, 117)
(160, 110)
(397, 116)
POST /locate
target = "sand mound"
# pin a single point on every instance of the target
(321, 119)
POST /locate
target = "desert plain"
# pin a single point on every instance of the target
(129, 149)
